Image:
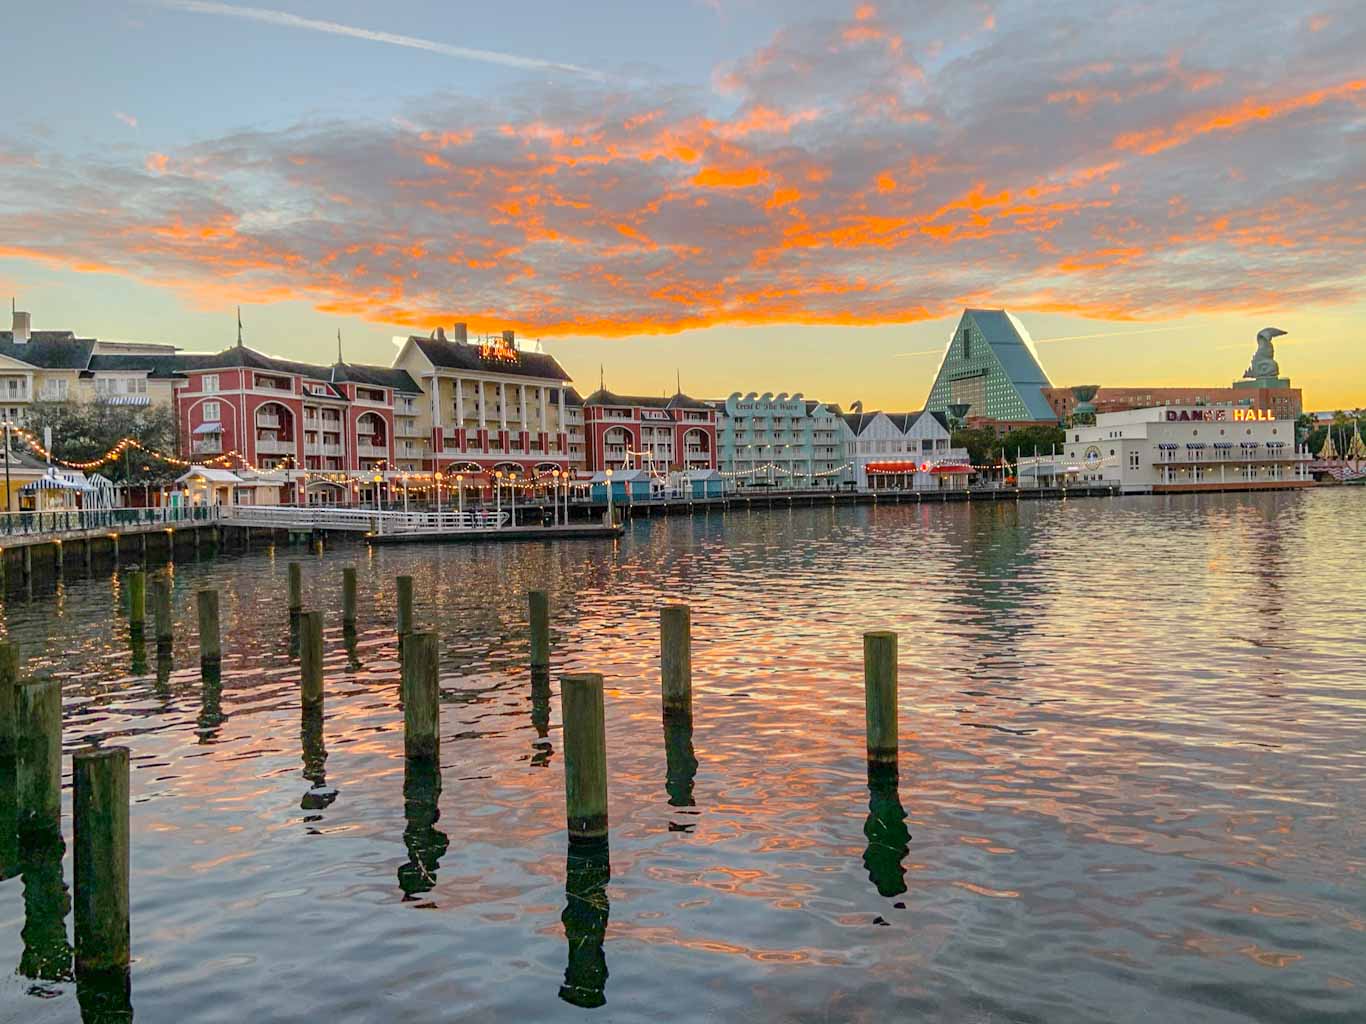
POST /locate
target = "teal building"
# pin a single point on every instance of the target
(991, 366)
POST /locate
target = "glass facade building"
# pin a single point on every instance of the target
(990, 365)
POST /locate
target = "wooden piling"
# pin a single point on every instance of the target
(296, 588)
(675, 659)
(210, 644)
(311, 657)
(539, 605)
(27, 562)
(421, 697)
(161, 612)
(100, 829)
(38, 772)
(137, 600)
(9, 708)
(349, 596)
(585, 757)
(405, 607)
(880, 703)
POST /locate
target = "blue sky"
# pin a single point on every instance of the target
(768, 196)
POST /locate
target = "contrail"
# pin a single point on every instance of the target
(288, 20)
(1109, 334)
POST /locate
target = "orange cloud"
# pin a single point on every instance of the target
(719, 177)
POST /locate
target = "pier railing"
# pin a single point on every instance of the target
(319, 517)
(79, 520)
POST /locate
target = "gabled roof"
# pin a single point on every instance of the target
(377, 376)
(678, 401)
(455, 355)
(49, 350)
(157, 367)
(572, 397)
(859, 420)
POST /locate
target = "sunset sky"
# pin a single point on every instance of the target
(755, 194)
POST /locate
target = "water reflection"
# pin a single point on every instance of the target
(540, 717)
(294, 620)
(319, 794)
(888, 837)
(9, 819)
(426, 843)
(587, 871)
(137, 644)
(680, 768)
(47, 955)
(211, 716)
(105, 997)
(349, 642)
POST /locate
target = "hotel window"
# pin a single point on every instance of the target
(210, 411)
(210, 383)
(1133, 460)
(967, 344)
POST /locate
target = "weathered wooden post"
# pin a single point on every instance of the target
(421, 697)
(349, 597)
(296, 588)
(405, 609)
(311, 658)
(539, 605)
(9, 710)
(210, 645)
(585, 757)
(880, 704)
(100, 828)
(161, 611)
(675, 659)
(137, 600)
(38, 773)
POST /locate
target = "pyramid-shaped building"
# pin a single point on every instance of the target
(991, 366)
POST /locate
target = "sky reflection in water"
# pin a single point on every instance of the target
(1130, 782)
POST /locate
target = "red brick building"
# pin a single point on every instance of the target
(663, 434)
(1286, 403)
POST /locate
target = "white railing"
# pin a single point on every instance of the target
(273, 446)
(206, 447)
(318, 517)
(267, 420)
(371, 451)
(64, 521)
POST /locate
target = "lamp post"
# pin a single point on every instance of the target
(460, 492)
(611, 519)
(555, 498)
(498, 492)
(512, 493)
(405, 493)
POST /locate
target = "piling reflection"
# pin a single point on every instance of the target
(319, 794)
(47, 955)
(163, 677)
(294, 619)
(587, 871)
(680, 768)
(426, 843)
(540, 717)
(9, 819)
(105, 997)
(137, 645)
(211, 717)
(352, 650)
(888, 837)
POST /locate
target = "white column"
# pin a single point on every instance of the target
(459, 403)
(545, 409)
(436, 401)
(521, 394)
(483, 412)
(502, 406)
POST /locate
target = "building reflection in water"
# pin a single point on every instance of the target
(137, 644)
(352, 651)
(319, 794)
(165, 665)
(680, 768)
(540, 717)
(211, 716)
(9, 819)
(885, 829)
(587, 871)
(426, 843)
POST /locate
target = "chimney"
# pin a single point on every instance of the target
(510, 339)
(461, 333)
(22, 321)
(440, 334)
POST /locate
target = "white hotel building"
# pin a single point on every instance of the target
(1173, 448)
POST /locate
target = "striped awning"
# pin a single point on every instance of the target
(1223, 444)
(128, 400)
(1195, 444)
(1248, 444)
(1169, 446)
(209, 427)
(1275, 444)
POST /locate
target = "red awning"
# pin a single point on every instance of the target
(951, 469)
(892, 467)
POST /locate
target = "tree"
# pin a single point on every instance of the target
(85, 431)
(1025, 440)
(983, 448)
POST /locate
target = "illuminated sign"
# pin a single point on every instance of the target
(1092, 457)
(1220, 415)
(497, 350)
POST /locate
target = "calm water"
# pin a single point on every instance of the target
(1131, 778)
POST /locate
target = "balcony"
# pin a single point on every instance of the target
(368, 450)
(274, 446)
(207, 446)
(267, 421)
(408, 428)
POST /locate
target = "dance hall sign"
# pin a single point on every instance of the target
(1220, 415)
